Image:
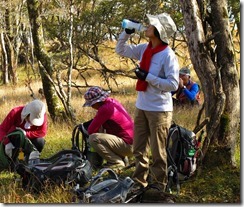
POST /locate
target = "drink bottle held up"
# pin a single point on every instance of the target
(128, 24)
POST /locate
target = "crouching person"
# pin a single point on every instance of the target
(111, 130)
(24, 128)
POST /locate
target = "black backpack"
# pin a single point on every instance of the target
(68, 166)
(184, 154)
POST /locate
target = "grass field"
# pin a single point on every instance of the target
(217, 184)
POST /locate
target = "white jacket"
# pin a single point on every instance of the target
(163, 76)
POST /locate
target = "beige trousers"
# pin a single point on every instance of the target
(110, 147)
(151, 131)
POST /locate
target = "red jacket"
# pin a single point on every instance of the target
(13, 120)
(113, 117)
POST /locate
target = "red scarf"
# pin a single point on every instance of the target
(145, 63)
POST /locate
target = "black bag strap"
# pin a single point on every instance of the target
(112, 175)
(62, 153)
(75, 138)
(174, 129)
(63, 159)
(76, 141)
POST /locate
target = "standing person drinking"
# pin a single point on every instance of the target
(157, 75)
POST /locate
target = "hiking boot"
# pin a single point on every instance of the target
(136, 187)
(156, 195)
(135, 193)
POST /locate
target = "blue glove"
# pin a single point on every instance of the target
(130, 31)
(141, 74)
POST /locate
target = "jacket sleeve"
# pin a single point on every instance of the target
(191, 94)
(9, 124)
(171, 80)
(103, 114)
(129, 50)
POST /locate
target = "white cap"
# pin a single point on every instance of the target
(164, 24)
(36, 109)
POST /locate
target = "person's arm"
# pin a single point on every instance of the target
(129, 50)
(171, 70)
(103, 114)
(9, 123)
(191, 94)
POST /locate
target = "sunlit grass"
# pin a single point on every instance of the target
(59, 137)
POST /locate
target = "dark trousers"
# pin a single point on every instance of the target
(38, 143)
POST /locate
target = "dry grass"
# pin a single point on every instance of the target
(59, 135)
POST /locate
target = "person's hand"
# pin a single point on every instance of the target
(24, 132)
(131, 31)
(8, 149)
(181, 84)
(141, 74)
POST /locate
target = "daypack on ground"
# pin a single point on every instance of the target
(106, 187)
(183, 152)
(66, 166)
(20, 142)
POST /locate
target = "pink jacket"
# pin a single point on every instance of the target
(114, 119)
(13, 120)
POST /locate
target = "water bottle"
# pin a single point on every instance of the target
(127, 24)
(34, 158)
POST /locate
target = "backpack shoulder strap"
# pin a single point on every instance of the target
(21, 135)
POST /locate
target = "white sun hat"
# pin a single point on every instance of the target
(164, 24)
(36, 109)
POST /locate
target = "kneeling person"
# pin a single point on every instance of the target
(114, 142)
(24, 127)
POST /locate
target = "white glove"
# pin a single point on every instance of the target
(21, 130)
(8, 149)
(34, 155)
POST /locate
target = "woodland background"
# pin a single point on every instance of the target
(55, 50)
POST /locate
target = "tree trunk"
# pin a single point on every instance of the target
(55, 108)
(9, 44)
(230, 119)
(214, 73)
(4, 60)
(69, 108)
